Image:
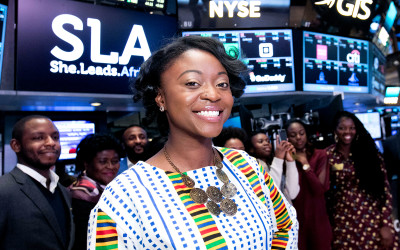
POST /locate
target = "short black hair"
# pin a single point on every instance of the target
(228, 133)
(19, 126)
(94, 143)
(146, 86)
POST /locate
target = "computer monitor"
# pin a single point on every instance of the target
(372, 123)
(267, 53)
(335, 63)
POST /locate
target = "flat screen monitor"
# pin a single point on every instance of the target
(267, 53)
(71, 46)
(233, 122)
(3, 17)
(391, 15)
(334, 63)
(378, 80)
(392, 91)
(71, 134)
(372, 122)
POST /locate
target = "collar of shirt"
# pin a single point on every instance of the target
(129, 163)
(40, 178)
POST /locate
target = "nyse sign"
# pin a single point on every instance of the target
(137, 35)
(358, 9)
(241, 9)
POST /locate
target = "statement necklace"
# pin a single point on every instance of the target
(212, 196)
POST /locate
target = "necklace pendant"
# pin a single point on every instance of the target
(229, 190)
(198, 195)
(222, 176)
(229, 207)
(189, 182)
(213, 208)
(214, 194)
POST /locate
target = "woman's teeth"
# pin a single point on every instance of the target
(209, 113)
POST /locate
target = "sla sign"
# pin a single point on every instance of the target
(360, 9)
(69, 46)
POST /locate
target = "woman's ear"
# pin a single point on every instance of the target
(160, 100)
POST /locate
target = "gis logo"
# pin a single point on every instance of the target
(353, 57)
(266, 50)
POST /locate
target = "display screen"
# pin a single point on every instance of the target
(334, 63)
(71, 134)
(3, 18)
(70, 46)
(390, 16)
(267, 53)
(144, 4)
(378, 62)
(372, 123)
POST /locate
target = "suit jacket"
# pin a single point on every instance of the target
(391, 155)
(27, 220)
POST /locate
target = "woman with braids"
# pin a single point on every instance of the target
(359, 200)
(190, 194)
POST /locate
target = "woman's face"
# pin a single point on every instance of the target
(297, 135)
(261, 145)
(196, 94)
(346, 130)
(103, 167)
(234, 143)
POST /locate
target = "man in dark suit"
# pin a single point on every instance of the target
(35, 210)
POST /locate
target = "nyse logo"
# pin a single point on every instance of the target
(242, 8)
(137, 35)
(266, 50)
(353, 57)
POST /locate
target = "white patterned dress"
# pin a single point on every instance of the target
(149, 208)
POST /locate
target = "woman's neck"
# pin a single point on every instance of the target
(344, 149)
(189, 154)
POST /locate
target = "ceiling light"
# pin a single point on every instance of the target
(96, 104)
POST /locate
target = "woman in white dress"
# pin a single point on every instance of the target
(191, 194)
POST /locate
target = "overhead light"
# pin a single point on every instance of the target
(356, 103)
(96, 104)
(390, 100)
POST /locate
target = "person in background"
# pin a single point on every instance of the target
(191, 194)
(315, 231)
(231, 137)
(391, 154)
(260, 147)
(35, 208)
(359, 200)
(98, 157)
(134, 140)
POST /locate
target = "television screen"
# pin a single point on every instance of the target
(392, 91)
(391, 15)
(372, 123)
(71, 133)
(378, 62)
(233, 122)
(144, 4)
(71, 46)
(334, 63)
(267, 53)
(3, 18)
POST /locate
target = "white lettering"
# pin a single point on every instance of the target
(95, 46)
(244, 9)
(350, 9)
(267, 78)
(137, 33)
(76, 43)
(367, 11)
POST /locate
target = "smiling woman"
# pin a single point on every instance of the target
(191, 194)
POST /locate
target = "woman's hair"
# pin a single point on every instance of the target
(93, 144)
(230, 133)
(365, 155)
(309, 146)
(146, 86)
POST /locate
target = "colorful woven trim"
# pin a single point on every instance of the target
(106, 234)
(203, 219)
(283, 221)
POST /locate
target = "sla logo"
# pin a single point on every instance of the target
(351, 9)
(137, 35)
(266, 50)
(353, 57)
